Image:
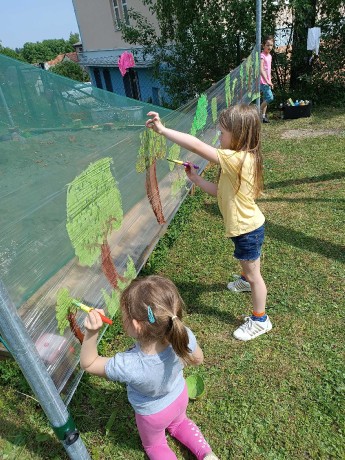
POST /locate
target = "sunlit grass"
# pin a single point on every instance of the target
(279, 397)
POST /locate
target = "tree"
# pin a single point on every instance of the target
(184, 60)
(307, 75)
(10, 53)
(73, 38)
(152, 147)
(94, 210)
(71, 70)
(45, 50)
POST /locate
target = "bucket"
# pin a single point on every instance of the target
(195, 386)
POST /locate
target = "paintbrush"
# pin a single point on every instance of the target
(88, 309)
(183, 163)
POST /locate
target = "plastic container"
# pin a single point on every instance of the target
(195, 386)
(300, 111)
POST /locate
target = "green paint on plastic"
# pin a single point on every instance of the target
(174, 154)
(63, 307)
(177, 185)
(215, 139)
(227, 90)
(242, 74)
(249, 65)
(112, 301)
(200, 117)
(94, 210)
(129, 274)
(233, 89)
(214, 109)
(257, 64)
(153, 146)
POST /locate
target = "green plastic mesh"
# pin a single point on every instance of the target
(85, 193)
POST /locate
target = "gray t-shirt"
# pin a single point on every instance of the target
(153, 381)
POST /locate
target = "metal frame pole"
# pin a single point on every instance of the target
(24, 351)
(6, 107)
(258, 37)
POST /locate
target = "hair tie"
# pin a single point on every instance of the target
(150, 315)
(173, 317)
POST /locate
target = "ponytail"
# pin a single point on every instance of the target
(178, 337)
(155, 302)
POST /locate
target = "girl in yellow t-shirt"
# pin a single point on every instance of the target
(240, 183)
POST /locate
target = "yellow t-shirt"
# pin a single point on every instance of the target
(240, 212)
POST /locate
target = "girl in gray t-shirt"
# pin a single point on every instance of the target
(153, 368)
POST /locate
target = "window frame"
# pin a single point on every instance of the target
(125, 11)
(116, 13)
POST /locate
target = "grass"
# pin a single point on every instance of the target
(281, 396)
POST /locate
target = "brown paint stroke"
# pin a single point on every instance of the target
(108, 266)
(152, 192)
(75, 328)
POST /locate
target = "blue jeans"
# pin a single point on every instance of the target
(266, 93)
(248, 246)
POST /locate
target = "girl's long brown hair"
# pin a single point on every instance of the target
(243, 122)
(162, 296)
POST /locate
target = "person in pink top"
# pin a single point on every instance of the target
(266, 84)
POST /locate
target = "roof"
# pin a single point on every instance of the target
(73, 56)
(57, 60)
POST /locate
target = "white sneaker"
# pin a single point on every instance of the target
(239, 285)
(251, 329)
(211, 456)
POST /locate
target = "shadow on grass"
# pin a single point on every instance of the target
(306, 180)
(307, 243)
(191, 293)
(25, 436)
(92, 408)
(305, 200)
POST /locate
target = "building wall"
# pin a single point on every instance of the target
(149, 88)
(97, 24)
(102, 46)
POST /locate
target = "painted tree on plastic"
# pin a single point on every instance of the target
(66, 314)
(152, 147)
(200, 117)
(94, 210)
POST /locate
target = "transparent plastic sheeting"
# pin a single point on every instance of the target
(85, 194)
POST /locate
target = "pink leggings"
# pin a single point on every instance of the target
(174, 419)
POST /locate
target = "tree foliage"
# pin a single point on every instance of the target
(44, 51)
(329, 15)
(11, 53)
(48, 49)
(71, 70)
(198, 41)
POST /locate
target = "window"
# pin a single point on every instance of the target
(131, 84)
(98, 79)
(117, 17)
(107, 79)
(125, 11)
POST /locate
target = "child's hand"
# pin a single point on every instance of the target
(154, 122)
(93, 322)
(191, 172)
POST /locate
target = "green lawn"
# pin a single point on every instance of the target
(279, 397)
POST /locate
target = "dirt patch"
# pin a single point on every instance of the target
(300, 133)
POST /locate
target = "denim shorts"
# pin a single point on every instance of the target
(266, 93)
(248, 246)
